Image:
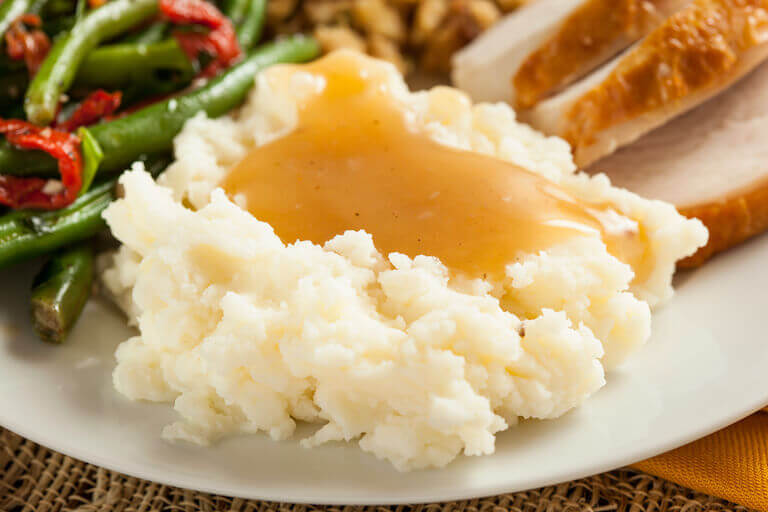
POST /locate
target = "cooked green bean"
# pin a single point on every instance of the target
(10, 10)
(63, 61)
(60, 291)
(25, 234)
(117, 65)
(236, 10)
(249, 30)
(18, 162)
(154, 33)
(151, 130)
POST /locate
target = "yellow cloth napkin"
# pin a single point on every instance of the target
(731, 464)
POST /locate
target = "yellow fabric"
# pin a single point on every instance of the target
(731, 464)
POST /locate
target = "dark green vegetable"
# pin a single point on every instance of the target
(92, 157)
(60, 292)
(25, 234)
(10, 10)
(60, 66)
(18, 162)
(116, 66)
(151, 130)
(235, 10)
(154, 33)
(249, 30)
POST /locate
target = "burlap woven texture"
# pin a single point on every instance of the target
(36, 479)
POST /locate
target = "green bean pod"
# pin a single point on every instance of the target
(249, 30)
(236, 10)
(116, 66)
(154, 33)
(10, 10)
(60, 292)
(151, 130)
(26, 234)
(60, 67)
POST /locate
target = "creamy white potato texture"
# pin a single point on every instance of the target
(243, 333)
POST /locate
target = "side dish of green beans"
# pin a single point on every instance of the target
(123, 46)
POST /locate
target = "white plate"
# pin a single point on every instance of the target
(705, 367)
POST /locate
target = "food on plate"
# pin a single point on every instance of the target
(695, 54)
(64, 136)
(712, 163)
(412, 271)
(60, 292)
(548, 44)
(416, 36)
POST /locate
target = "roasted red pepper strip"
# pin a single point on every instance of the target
(21, 43)
(18, 192)
(99, 105)
(220, 42)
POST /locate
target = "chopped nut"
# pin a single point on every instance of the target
(484, 12)
(383, 48)
(377, 17)
(511, 5)
(326, 12)
(396, 30)
(279, 10)
(429, 15)
(334, 38)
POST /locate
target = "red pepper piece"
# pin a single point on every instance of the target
(20, 192)
(21, 43)
(221, 40)
(99, 105)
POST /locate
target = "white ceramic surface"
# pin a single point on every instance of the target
(705, 366)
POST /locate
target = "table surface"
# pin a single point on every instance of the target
(37, 479)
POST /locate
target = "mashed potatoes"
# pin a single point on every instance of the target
(243, 333)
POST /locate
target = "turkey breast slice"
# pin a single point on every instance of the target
(712, 163)
(695, 54)
(545, 46)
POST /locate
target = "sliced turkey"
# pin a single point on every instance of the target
(712, 163)
(696, 53)
(548, 44)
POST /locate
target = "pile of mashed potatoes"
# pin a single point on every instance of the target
(243, 333)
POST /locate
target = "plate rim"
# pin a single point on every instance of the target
(479, 491)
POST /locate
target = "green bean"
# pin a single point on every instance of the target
(249, 31)
(18, 162)
(26, 234)
(151, 130)
(60, 291)
(60, 66)
(154, 33)
(236, 10)
(117, 65)
(37, 6)
(10, 10)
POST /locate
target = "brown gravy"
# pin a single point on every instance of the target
(354, 162)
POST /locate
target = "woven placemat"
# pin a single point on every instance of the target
(36, 479)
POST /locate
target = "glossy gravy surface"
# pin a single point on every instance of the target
(354, 162)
